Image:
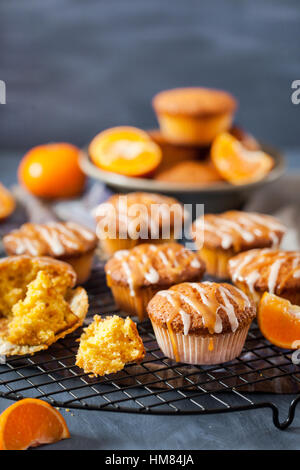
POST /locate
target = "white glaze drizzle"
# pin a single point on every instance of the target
(295, 262)
(247, 236)
(52, 239)
(222, 226)
(251, 280)
(242, 294)
(186, 319)
(152, 276)
(56, 235)
(229, 309)
(296, 274)
(121, 254)
(64, 233)
(273, 275)
(163, 258)
(195, 263)
(247, 258)
(218, 322)
(129, 275)
(226, 238)
(86, 234)
(148, 271)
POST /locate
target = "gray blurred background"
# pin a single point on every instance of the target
(74, 67)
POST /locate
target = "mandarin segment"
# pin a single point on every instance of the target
(125, 150)
(52, 171)
(29, 423)
(236, 163)
(279, 321)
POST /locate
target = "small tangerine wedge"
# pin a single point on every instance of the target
(7, 203)
(125, 150)
(237, 164)
(279, 321)
(52, 171)
(30, 423)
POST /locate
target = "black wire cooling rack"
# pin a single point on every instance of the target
(157, 385)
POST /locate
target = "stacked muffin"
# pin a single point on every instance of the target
(190, 119)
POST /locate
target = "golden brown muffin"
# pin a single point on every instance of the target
(7, 203)
(135, 275)
(174, 153)
(193, 116)
(127, 220)
(273, 271)
(200, 173)
(37, 303)
(201, 323)
(67, 241)
(230, 233)
(107, 344)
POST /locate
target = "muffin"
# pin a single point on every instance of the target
(201, 323)
(135, 275)
(194, 116)
(127, 220)
(66, 241)
(38, 304)
(230, 233)
(273, 271)
(108, 344)
(192, 172)
(175, 153)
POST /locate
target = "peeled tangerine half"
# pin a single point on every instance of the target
(125, 150)
(237, 164)
(279, 321)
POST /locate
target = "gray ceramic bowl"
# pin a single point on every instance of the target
(217, 198)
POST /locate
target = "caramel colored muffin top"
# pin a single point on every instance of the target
(139, 212)
(190, 171)
(201, 308)
(239, 230)
(266, 270)
(194, 102)
(57, 239)
(149, 265)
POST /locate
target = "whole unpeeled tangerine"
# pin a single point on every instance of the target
(52, 171)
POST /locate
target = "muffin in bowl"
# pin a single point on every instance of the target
(273, 271)
(65, 241)
(127, 220)
(176, 153)
(201, 323)
(135, 275)
(191, 172)
(194, 116)
(219, 237)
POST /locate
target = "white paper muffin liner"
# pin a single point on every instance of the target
(194, 349)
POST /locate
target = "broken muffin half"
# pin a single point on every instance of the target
(108, 344)
(37, 303)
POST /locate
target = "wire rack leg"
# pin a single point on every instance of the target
(291, 415)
